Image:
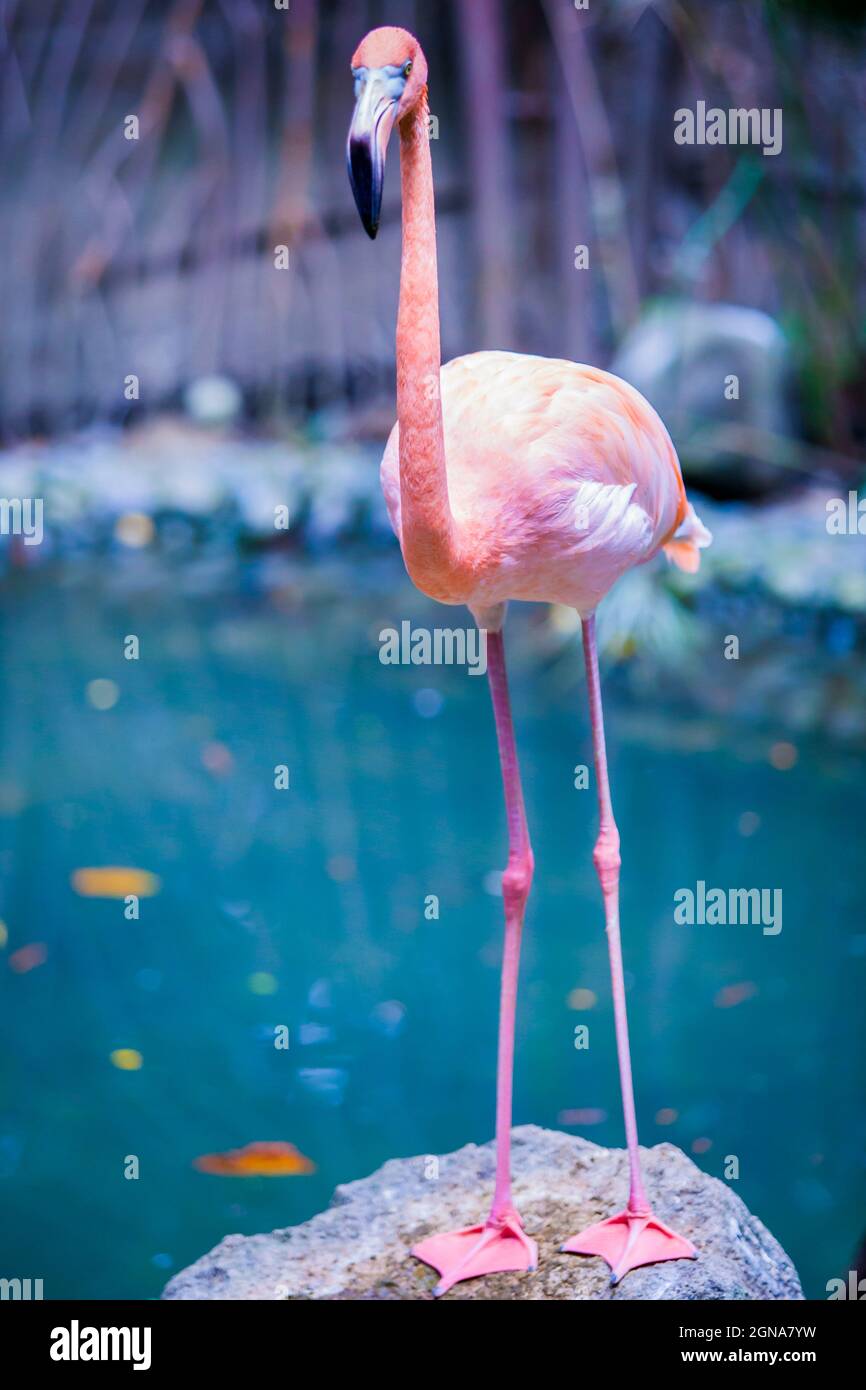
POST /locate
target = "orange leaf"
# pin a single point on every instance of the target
(114, 882)
(265, 1160)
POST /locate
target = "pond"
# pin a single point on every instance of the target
(302, 908)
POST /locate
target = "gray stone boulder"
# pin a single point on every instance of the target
(359, 1247)
(681, 355)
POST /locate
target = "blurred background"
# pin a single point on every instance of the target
(195, 334)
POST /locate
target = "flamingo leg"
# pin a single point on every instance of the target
(633, 1237)
(500, 1244)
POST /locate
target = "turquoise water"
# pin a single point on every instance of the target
(317, 893)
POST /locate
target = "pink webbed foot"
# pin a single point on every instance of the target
(494, 1248)
(630, 1239)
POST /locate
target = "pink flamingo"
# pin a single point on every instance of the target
(508, 476)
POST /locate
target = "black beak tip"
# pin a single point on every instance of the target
(365, 176)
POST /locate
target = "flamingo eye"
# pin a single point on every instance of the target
(407, 68)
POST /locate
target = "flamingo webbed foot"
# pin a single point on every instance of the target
(496, 1247)
(628, 1240)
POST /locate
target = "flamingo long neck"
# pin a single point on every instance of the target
(428, 531)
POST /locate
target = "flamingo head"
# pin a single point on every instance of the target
(390, 74)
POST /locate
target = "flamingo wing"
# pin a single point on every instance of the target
(561, 476)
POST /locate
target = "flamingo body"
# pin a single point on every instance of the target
(560, 478)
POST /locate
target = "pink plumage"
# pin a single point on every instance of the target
(560, 477)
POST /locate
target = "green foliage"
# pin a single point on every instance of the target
(846, 14)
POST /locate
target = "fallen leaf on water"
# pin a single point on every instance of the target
(588, 1115)
(28, 957)
(731, 995)
(217, 758)
(263, 982)
(134, 529)
(127, 1059)
(113, 881)
(783, 756)
(102, 694)
(266, 1160)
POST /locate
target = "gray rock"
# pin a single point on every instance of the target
(359, 1247)
(680, 354)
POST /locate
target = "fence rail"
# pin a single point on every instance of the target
(157, 153)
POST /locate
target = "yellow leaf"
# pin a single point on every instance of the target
(127, 1059)
(114, 882)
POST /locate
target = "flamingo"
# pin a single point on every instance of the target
(510, 476)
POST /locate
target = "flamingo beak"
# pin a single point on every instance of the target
(372, 122)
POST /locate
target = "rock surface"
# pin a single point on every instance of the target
(359, 1247)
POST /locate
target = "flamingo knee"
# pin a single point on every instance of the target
(517, 881)
(606, 857)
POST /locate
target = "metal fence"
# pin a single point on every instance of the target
(174, 200)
